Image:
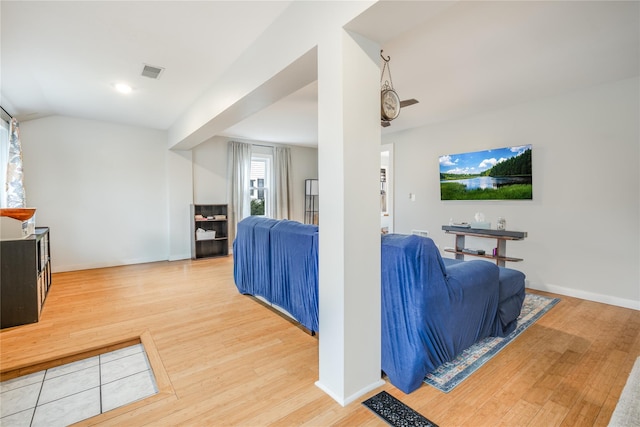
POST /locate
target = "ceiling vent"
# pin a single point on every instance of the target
(151, 71)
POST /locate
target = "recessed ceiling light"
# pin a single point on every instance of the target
(123, 88)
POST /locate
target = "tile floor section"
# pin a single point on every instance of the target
(74, 392)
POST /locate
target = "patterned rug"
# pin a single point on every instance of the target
(396, 413)
(448, 375)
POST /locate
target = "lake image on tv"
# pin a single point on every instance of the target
(498, 174)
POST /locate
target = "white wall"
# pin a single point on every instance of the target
(100, 187)
(210, 172)
(583, 222)
(254, 79)
(115, 195)
(179, 179)
(304, 166)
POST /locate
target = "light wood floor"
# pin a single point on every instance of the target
(231, 361)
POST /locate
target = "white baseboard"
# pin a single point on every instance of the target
(55, 268)
(179, 257)
(91, 265)
(589, 296)
(344, 401)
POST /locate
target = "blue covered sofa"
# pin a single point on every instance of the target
(278, 261)
(432, 309)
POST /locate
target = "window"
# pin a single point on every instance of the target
(260, 185)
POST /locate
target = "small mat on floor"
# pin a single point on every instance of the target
(448, 375)
(395, 412)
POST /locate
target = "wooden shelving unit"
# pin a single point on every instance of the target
(209, 231)
(501, 236)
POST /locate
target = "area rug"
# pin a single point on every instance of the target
(395, 412)
(627, 412)
(448, 375)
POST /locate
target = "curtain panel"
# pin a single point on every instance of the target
(282, 182)
(239, 170)
(15, 193)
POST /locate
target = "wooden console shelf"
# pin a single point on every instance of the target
(501, 237)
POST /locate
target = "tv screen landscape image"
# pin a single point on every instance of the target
(496, 174)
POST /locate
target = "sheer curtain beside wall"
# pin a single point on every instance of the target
(282, 182)
(4, 160)
(13, 194)
(239, 167)
(16, 197)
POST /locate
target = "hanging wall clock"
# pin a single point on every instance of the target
(390, 103)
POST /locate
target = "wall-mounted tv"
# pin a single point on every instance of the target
(497, 174)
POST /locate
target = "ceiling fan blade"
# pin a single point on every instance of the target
(385, 123)
(408, 102)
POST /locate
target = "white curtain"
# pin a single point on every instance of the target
(239, 167)
(282, 182)
(14, 186)
(4, 160)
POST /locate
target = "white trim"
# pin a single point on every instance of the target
(55, 268)
(179, 257)
(589, 296)
(354, 396)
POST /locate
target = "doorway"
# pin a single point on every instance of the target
(386, 188)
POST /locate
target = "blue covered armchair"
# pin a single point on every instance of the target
(431, 313)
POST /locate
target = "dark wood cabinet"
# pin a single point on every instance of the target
(25, 277)
(209, 232)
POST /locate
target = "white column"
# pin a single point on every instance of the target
(349, 168)
(179, 197)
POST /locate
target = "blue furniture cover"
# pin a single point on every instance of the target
(294, 270)
(430, 314)
(252, 256)
(511, 297)
(278, 260)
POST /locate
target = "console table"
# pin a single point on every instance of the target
(501, 237)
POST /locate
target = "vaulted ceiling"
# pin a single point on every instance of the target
(457, 57)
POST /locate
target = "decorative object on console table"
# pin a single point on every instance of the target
(502, 223)
(480, 222)
(311, 201)
(25, 278)
(16, 223)
(501, 236)
(209, 230)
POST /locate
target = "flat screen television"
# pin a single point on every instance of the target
(496, 174)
